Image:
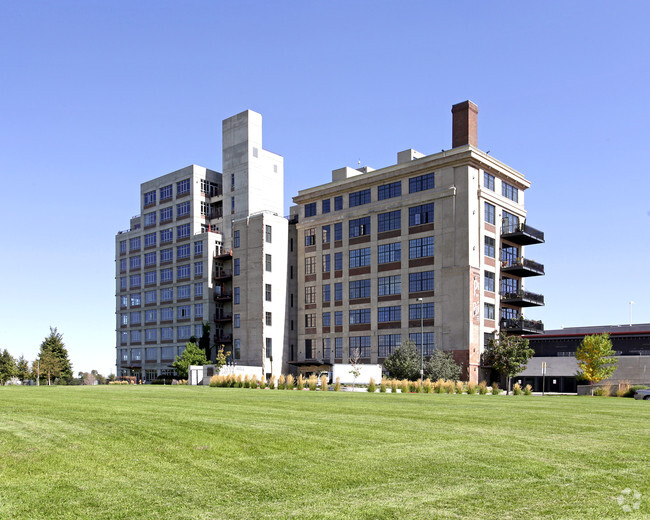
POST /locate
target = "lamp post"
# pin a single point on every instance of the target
(421, 338)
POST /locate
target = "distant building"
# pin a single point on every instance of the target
(362, 264)
(557, 348)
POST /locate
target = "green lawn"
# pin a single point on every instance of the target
(202, 453)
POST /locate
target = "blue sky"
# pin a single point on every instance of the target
(97, 97)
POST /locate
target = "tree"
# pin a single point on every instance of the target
(595, 358)
(50, 365)
(22, 369)
(7, 367)
(404, 362)
(54, 345)
(192, 355)
(356, 369)
(204, 342)
(441, 365)
(508, 355)
(220, 359)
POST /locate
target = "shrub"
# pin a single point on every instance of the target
(449, 387)
(405, 386)
(460, 387)
(528, 390)
(254, 382)
(603, 391)
(289, 383)
(247, 381)
(623, 387)
(517, 389)
(271, 382)
(312, 382)
(382, 385)
(438, 386)
(495, 389)
(301, 382)
(482, 388)
(323, 383)
(240, 381)
(632, 390)
(471, 387)
(214, 381)
(427, 386)
(415, 386)
(372, 387)
(337, 385)
(394, 385)
(262, 383)
(281, 382)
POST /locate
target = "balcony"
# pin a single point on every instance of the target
(223, 317)
(222, 296)
(521, 234)
(522, 267)
(522, 299)
(521, 326)
(223, 254)
(222, 274)
(223, 338)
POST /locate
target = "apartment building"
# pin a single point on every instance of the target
(430, 249)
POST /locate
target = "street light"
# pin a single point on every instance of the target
(421, 338)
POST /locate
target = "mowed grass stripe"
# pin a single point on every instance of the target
(184, 452)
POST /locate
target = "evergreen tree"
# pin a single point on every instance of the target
(54, 345)
(441, 365)
(404, 362)
(22, 369)
(7, 367)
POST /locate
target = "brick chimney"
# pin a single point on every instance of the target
(464, 124)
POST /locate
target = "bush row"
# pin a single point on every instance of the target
(623, 390)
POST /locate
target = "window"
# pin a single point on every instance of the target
(134, 262)
(359, 289)
(326, 234)
(488, 181)
(489, 213)
(310, 209)
(509, 253)
(151, 335)
(393, 313)
(308, 349)
(198, 248)
(327, 319)
(390, 285)
(389, 221)
(358, 316)
(310, 295)
(389, 253)
(421, 247)
(416, 310)
(237, 345)
(150, 198)
(150, 297)
(388, 343)
(124, 301)
(338, 203)
(182, 271)
(198, 311)
(326, 293)
(338, 261)
(509, 286)
(310, 265)
(166, 295)
(338, 231)
(182, 209)
(508, 313)
(267, 263)
(338, 318)
(166, 314)
(232, 204)
(184, 332)
(124, 318)
(360, 347)
(235, 266)
(183, 291)
(182, 251)
(489, 247)
(236, 295)
(326, 206)
(166, 255)
(123, 282)
(134, 244)
(267, 292)
(166, 214)
(359, 198)
(198, 289)
(166, 275)
(269, 347)
(269, 319)
(150, 219)
(183, 187)
(198, 269)
(359, 257)
(421, 214)
(136, 337)
(489, 281)
(235, 239)
(359, 227)
(421, 183)
(166, 192)
(488, 311)
(166, 236)
(509, 191)
(136, 299)
(338, 291)
(388, 191)
(326, 263)
(150, 278)
(150, 316)
(338, 347)
(310, 237)
(510, 221)
(421, 281)
(236, 321)
(429, 345)
(182, 231)
(134, 280)
(122, 246)
(267, 234)
(149, 259)
(310, 320)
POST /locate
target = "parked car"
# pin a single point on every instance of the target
(642, 394)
